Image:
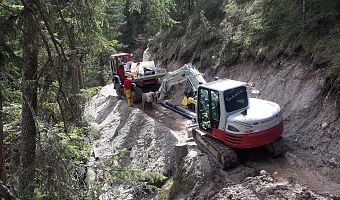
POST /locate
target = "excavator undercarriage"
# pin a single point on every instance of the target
(225, 156)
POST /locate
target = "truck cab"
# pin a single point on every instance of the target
(117, 62)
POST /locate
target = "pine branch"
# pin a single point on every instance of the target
(5, 193)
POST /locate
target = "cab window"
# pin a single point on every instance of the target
(203, 109)
(236, 99)
(215, 108)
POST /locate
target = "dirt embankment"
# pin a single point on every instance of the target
(148, 147)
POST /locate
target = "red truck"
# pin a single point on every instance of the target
(146, 75)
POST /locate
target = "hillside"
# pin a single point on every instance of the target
(64, 133)
(220, 33)
(285, 51)
(241, 40)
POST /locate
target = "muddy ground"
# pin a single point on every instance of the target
(310, 169)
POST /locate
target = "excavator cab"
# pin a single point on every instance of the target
(208, 109)
(218, 99)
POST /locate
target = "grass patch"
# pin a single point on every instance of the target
(171, 189)
(144, 182)
(89, 92)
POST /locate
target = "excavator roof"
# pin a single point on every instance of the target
(224, 84)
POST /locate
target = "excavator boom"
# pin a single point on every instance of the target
(187, 72)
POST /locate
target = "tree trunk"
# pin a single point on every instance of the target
(75, 75)
(2, 155)
(4, 192)
(101, 69)
(73, 62)
(80, 75)
(29, 104)
(303, 14)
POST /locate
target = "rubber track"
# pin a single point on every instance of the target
(226, 158)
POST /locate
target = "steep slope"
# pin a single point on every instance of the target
(127, 142)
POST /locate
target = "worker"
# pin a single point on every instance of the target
(128, 88)
(117, 85)
(140, 70)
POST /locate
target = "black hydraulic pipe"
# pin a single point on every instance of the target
(183, 110)
(180, 109)
(173, 108)
(170, 104)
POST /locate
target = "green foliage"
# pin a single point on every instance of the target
(155, 14)
(256, 29)
(12, 123)
(61, 160)
(90, 92)
(212, 9)
(94, 133)
(127, 175)
(119, 156)
(102, 39)
(74, 145)
(159, 16)
(145, 181)
(171, 189)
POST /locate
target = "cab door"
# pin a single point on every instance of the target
(208, 109)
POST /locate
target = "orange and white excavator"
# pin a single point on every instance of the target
(227, 119)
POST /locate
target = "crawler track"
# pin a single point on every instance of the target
(278, 148)
(222, 154)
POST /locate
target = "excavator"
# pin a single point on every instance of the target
(227, 119)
